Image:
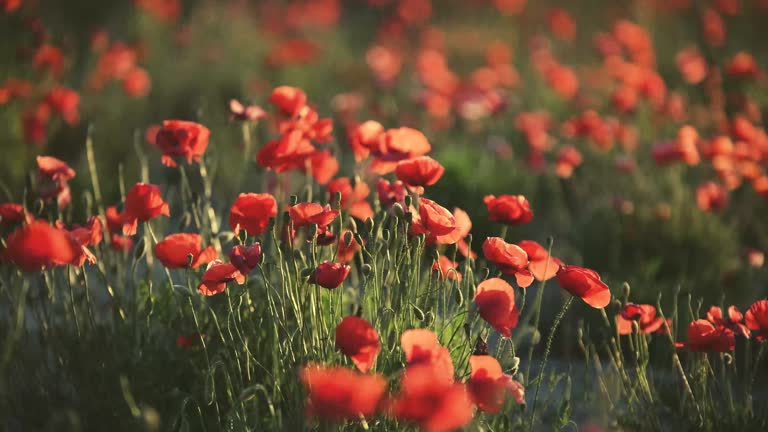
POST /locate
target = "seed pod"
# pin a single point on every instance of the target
(293, 200)
(366, 269)
(398, 210)
(418, 312)
(336, 201)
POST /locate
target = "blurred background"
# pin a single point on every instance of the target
(579, 105)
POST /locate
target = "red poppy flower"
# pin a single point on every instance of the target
(330, 275)
(54, 169)
(39, 245)
(508, 209)
(137, 83)
(114, 220)
(251, 212)
(395, 145)
(418, 172)
(568, 159)
(120, 243)
(289, 100)
(245, 258)
(683, 149)
(64, 101)
(322, 166)
(290, 151)
(390, 193)
(178, 138)
(433, 220)
(89, 234)
(352, 199)
(510, 258)
(703, 336)
(733, 321)
(336, 393)
(435, 405)
(495, 300)
(357, 339)
(448, 269)
(542, 265)
(142, 203)
(488, 385)
(756, 319)
(11, 213)
(303, 214)
(644, 314)
(421, 347)
(585, 284)
(249, 113)
(216, 277)
(174, 251)
(364, 137)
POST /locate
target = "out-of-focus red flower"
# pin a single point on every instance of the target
(733, 321)
(703, 336)
(510, 258)
(179, 138)
(216, 277)
(163, 10)
(294, 51)
(563, 81)
(414, 12)
(363, 137)
(322, 166)
(65, 102)
(495, 300)
(336, 394)
(422, 348)
(510, 7)
(418, 172)
(756, 319)
(390, 193)
(742, 65)
(683, 149)
(568, 158)
(508, 209)
(755, 257)
(54, 169)
(249, 113)
(644, 314)
(561, 24)
(245, 258)
(352, 199)
(711, 197)
(435, 405)
(330, 274)
(395, 145)
(586, 284)
(488, 385)
(692, 65)
(357, 339)
(137, 83)
(448, 269)
(385, 63)
(542, 265)
(142, 203)
(49, 57)
(11, 213)
(38, 245)
(174, 250)
(9, 6)
(251, 212)
(289, 100)
(714, 27)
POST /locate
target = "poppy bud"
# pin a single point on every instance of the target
(398, 210)
(293, 200)
(367, 269)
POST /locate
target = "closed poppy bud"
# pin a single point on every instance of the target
(39, 245)
(495, 300)
(251, 212)
(142, 203)
(585, 284)
(511, 259)
(336, 394)
(216, 277)
(756, 319)
(330, 275)
(178, 138)
(488, 385)
(245, 258)
(508, 209)
(420, 171)
(357, 339)
(174, 250)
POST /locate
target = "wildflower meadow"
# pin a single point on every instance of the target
(417, 215)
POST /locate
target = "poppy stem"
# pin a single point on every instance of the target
(550, 339)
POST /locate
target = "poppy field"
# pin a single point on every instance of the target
(419, 215)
